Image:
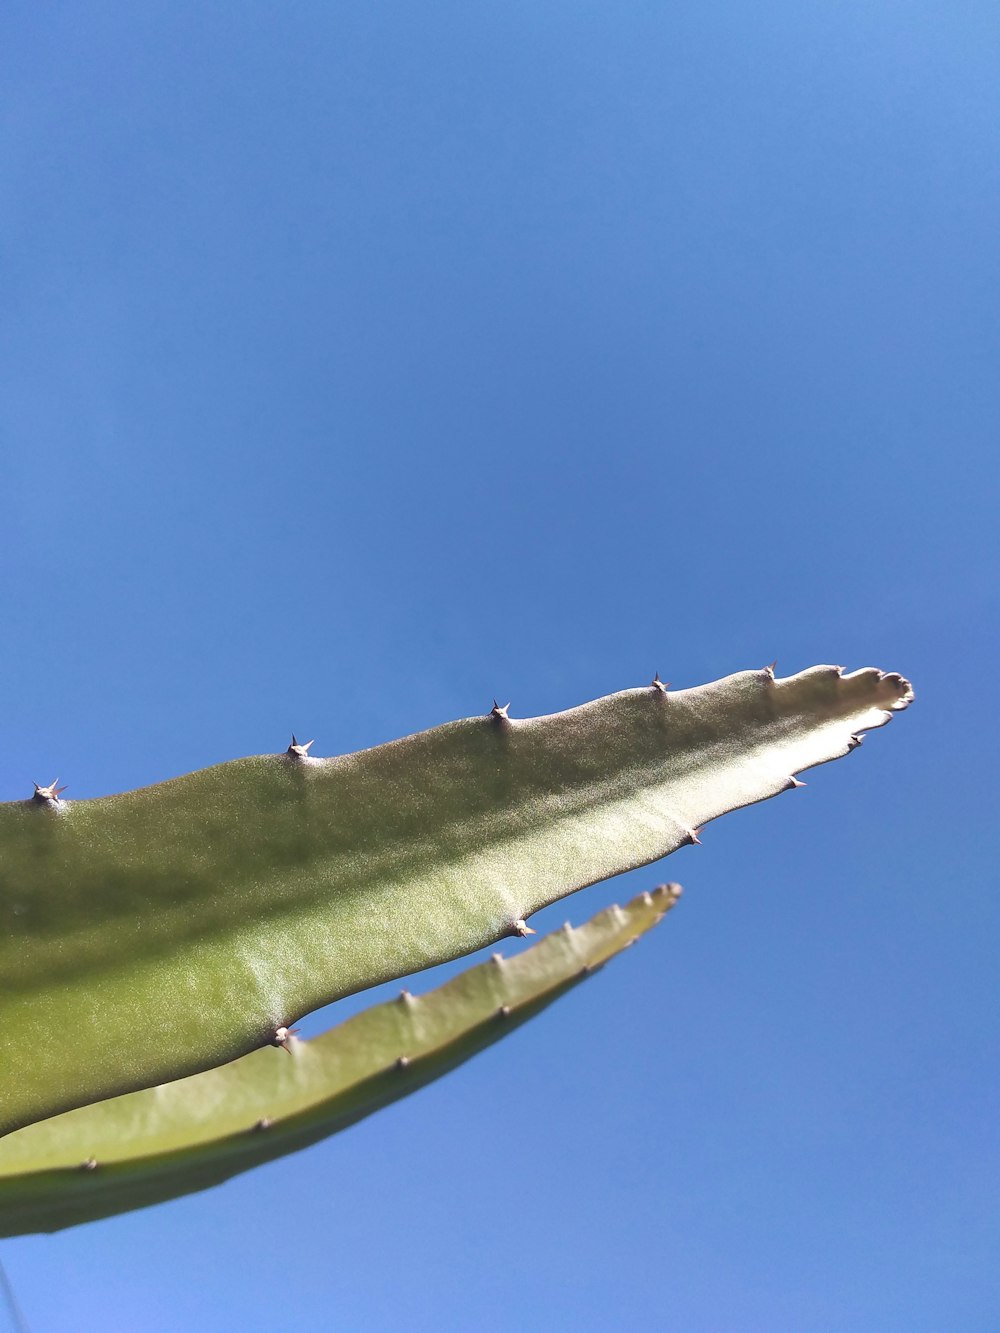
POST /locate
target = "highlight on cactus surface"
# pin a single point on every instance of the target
(154, 935)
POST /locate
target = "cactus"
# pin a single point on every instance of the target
(157, 934)
(158, 1144)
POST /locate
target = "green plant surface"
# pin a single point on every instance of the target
(160, 1143)
(164, 931)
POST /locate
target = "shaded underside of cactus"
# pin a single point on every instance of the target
(160, 1143)
(161, 932)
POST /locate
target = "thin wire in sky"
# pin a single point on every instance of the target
(17, 1320)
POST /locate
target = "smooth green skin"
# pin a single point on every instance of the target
(164, 931)
(158, 1144)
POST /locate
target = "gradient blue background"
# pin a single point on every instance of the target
(363, 362)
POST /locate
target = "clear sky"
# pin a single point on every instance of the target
(363, 362)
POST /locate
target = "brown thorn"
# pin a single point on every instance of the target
(47, 795)
(297, 751)
(521, 928)
(670, 891)
(499, 714)
(661, 686)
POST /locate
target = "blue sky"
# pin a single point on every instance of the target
(361, 363)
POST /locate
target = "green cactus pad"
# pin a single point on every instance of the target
(164, 931)
(158, 1144)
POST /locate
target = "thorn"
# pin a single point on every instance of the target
(297, 751)
(692, 838)
(670, 891)
(48, 795)
(497, 958)
(522, 928)
(499, 714)
(647, 899)
(405, 997)
(402, 1062)
(265, 1122)
(661, 686)
(588, 969)
(854, 742)
(89, 1164)
(282, 1037)
(770, 668)
(503, 1011)
(793, 781)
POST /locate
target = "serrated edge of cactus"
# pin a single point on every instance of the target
(741, 738)
(50, 797)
